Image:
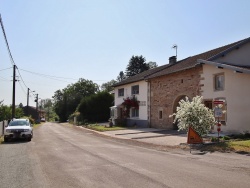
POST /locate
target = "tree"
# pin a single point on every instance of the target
(136, 65)
(95, 108)
(152, 64)
(194, 114)
(6, 112)
(47, 106)
(19, 112)
(121, 76)
(108, 86)
(67, 99)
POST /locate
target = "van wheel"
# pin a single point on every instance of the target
(6, 139)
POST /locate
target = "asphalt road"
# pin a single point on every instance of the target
(63, 156)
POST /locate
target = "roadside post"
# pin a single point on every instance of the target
(193, 137)
(218, 114)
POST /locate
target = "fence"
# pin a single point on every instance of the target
(2, 126)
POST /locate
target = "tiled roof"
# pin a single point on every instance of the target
(141, 76)
(184, 64)
(237, 68)
(191, 62)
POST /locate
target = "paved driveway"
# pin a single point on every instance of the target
(151, 135)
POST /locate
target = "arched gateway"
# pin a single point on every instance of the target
(176, 104)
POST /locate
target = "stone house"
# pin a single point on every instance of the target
(219, 74)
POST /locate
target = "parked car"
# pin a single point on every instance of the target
(18, 128)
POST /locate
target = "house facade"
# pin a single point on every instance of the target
(167, 91)
(136, 115)
(133, 87)
(228, 79)
(221, 74)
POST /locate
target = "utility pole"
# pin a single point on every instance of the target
(14, 93)
(48, 112)
(36, 100)
(28, 95)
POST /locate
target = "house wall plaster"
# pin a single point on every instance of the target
(236, 93)
(239, 56)
(142, 96)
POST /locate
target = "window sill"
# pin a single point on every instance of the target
(134, 118)
(216, 90)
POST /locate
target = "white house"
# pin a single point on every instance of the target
(133, 87)
(227, 78)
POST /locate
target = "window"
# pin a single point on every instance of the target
(219, 82)
(134, 112)
(160, 114)
(135, 90)
(121, 92)
(209, 104)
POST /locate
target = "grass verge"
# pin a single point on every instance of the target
(236, 146)
(37, 125)
(102, 128)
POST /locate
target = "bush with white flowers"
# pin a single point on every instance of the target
(194, 114)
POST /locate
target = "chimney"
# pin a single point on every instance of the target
(172, 60)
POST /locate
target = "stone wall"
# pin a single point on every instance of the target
(166, 92)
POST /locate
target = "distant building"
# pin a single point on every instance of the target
(35, 114)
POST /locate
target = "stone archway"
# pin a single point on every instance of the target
(176, 104)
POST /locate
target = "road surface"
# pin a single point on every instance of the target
(61, 156)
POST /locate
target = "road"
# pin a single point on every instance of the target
(61, 156)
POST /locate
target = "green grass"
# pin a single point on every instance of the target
(102, 128)
(233, 145)
(1, 139)
(243, 145)
(36, 125)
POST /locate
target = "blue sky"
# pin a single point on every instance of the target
(94, 39)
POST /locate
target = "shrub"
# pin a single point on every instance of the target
(32, 121)
(225, 138)
(194, 114)
(214, 139)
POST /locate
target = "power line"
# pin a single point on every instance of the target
(22, 88)
(10, 55)
(22, 78)
(6, 69)
(45, 75)
(6, 41)
(53, 77)
(4, 78)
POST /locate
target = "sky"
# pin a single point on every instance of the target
(56, 42)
